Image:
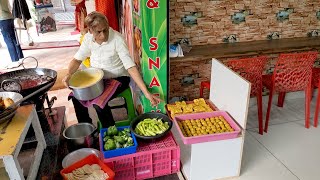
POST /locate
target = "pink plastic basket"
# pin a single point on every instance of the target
(210, 137)
(154, 159)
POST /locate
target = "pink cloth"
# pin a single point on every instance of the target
(110, 88)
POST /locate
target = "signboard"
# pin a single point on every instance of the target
(154, 47)
(144, 24)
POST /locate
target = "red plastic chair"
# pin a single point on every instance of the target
(204, 84)
(251, 69)
(293, 72)
(315, 79)
(315, 83)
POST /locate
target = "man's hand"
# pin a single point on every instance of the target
(66, 79)
(72, 68)
(154, 100)
(134, 73)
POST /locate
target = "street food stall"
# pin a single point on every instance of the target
(202, 138)
(153, 145)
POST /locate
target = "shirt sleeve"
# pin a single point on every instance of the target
(84, 50)
(123, 52)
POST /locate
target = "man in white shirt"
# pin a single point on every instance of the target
(108, 51)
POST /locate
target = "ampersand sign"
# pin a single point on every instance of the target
(152, 4)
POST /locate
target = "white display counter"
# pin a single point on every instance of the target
(219, 159)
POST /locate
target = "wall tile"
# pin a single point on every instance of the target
(216, 23)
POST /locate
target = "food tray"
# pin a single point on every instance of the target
(211, 105)
(91, 159)
(209, 137)
(120, 151)
(153, 159)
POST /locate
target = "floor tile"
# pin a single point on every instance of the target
(278, 115)
(295, 146)
(53, 58)
(302, 123)
(260, 164)
(299, 106)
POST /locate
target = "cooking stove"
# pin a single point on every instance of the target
(42, 115)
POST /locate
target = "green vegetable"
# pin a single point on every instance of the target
(125, 138)
(119, 139)
(106, 138)
(127, 130)
(118, 145)
(127, 145)
(130, 140)
(110, 145)
(128, 134)
(120, 133)
(151, 127)
(114, 139)
(112, 131)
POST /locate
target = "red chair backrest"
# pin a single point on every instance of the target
(251, 69)
(293, 72)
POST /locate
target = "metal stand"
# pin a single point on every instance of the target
(50, 104)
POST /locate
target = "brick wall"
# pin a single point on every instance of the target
(201, 71)
(214, 19)
(180, 70)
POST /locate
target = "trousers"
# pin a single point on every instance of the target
(104, 114)
(9, 36)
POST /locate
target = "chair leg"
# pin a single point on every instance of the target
(201, 91)
(260, 116)
(268, 110)
(307, 108)
(281, 98)
(315, 123)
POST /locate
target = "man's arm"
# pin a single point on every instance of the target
(134, 73)
(82, 54)
(128, 63)
(72, 68)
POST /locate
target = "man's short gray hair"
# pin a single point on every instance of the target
(95, 18)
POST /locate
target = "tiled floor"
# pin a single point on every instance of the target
(54, 58)
(287, 152)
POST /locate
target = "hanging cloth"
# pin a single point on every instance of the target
(108, 8)
(80, 15)
(20, 10)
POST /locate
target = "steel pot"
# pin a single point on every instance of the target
(91, 91)
(81, 135)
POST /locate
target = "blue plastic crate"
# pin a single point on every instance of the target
(120, 151)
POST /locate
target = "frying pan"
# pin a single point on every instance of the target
(10, 111)
(20, 77)
(26, 81)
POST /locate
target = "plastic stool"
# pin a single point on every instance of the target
(127, 95)
(204, 84)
